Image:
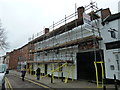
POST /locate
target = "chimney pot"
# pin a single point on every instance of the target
(46, 30)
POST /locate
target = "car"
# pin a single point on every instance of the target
(3, 72)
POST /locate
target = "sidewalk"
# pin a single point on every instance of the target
(57, 83)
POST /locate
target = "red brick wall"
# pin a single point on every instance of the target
(20, 55)
(13, 59)
(25, 53)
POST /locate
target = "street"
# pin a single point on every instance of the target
(16, 82)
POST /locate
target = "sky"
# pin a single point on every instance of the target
(23, 18)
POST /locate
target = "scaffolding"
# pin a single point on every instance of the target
(59, 69)
(68, 28)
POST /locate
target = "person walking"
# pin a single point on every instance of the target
(38, 73)
(23, 74)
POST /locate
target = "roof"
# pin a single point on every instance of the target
(111, 18)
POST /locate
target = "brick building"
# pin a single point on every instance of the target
(22, 56)
(13, 59)
(17, 58)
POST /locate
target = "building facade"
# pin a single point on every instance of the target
(81, 45)
(17, 59)
(13, 60)
(111, 45)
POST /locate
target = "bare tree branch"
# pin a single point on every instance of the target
(3, 38)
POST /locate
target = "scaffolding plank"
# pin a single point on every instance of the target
(69, 43)
(51, 61)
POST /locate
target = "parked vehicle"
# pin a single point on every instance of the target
(3, 72)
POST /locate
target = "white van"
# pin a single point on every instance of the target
(3, 71)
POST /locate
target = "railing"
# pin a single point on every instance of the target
(63, 21)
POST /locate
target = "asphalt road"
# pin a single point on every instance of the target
(16, 82)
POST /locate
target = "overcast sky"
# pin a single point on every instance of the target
(23, 18)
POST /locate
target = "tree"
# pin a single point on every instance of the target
(3, 38)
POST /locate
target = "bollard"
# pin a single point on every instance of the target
(104, 87)
(51, 78)
(62, 76)
(115, 82)
(104, 82)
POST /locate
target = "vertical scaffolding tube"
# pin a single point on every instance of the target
(96, 74)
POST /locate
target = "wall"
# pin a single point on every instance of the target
(23, 56)
(13, 60)
(119, 32)
(18, 57)
(109, 55)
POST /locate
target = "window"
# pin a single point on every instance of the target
(113, 35)
(112, 67)
(112, 32)
(19, 58)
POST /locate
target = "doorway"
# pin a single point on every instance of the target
(85, 65)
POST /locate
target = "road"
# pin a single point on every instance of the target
(16, 82)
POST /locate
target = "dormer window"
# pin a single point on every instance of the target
(112, 32)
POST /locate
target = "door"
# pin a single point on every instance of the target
(85, 65)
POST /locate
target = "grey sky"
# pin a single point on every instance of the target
(23, 18)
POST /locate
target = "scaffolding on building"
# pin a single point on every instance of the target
(66, 28)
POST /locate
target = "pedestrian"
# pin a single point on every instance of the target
(23, 74)
(38, 73)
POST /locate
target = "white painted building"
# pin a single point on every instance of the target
(111, 46)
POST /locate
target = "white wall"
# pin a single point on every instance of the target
(109, 55)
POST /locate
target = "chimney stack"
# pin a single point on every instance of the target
(80, 11)
(46, 30)
(105, 12)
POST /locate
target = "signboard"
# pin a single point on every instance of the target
(87, 22)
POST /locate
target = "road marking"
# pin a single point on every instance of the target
(37, 83)
(8, 84)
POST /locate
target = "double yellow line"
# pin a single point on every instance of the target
(7, 84)
(37, 83)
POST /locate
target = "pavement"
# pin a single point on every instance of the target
(57, 83)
